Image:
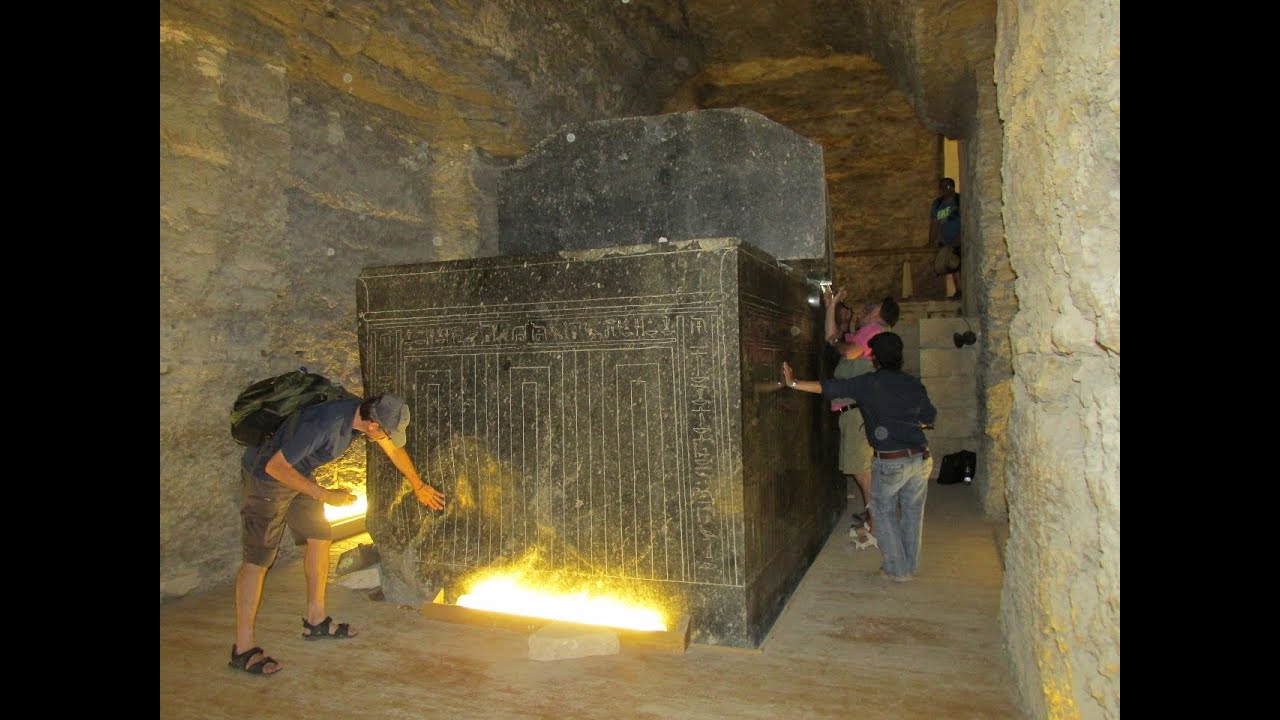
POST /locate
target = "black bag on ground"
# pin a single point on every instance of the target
(957, 467)
(262, 407)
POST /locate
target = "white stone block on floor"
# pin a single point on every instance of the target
(362, 579)
(556, 641)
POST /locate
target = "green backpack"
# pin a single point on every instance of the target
(263, 407)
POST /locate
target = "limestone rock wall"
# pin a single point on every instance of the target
(988, 295)
(931, 47)
(1057, 70)
(303, 141)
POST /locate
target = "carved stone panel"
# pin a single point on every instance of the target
(611, 415)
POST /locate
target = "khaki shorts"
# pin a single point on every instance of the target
(266, 508)
(855, 451)
(947, 259)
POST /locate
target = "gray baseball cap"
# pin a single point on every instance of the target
(393, 415)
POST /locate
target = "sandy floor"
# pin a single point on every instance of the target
(849, 645)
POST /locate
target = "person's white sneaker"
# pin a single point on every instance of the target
(863, 540)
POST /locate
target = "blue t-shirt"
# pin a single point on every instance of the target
(894, 406)
(947, 215)
(310, 438)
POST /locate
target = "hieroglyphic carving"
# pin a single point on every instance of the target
(480, 332)
(386, 361)
(682, 525)
(708, 537)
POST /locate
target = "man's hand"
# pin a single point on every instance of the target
(429, 496)
(788, 377)
(337, 497)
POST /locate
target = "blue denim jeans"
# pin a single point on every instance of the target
(900, 484)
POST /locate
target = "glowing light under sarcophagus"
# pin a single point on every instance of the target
(523, 592)
(506, 594)
(337, 513)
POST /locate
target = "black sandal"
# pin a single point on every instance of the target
(321, 630)
(241, 661)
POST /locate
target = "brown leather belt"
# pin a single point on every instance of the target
(893, 454)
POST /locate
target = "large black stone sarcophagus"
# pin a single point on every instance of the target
(728, 172)
(614, 412)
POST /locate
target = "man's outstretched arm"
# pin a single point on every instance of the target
(426, 494)
(832, 301)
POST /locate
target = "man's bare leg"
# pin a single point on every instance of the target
(864, 484)
(248, 596)
(861, 533)
(315, 563)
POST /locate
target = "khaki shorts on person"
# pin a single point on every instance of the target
(947, 260)
(266, 508)
(855, 451)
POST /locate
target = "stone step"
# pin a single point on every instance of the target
(913, 310)
(938, 362)
(956, 422)
(910, 333)
(948, 391)
(939, 332)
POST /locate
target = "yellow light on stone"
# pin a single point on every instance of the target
(338, 513)
(512, 593)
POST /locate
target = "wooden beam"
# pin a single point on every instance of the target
(880, 252)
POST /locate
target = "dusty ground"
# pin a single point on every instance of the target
(849, 645)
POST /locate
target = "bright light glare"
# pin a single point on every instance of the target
(338, 513)
(504, 593)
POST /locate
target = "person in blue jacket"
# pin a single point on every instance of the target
(945, 231)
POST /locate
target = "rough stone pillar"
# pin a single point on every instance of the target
(613, 415)
(989, 297)
(1061, 173)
